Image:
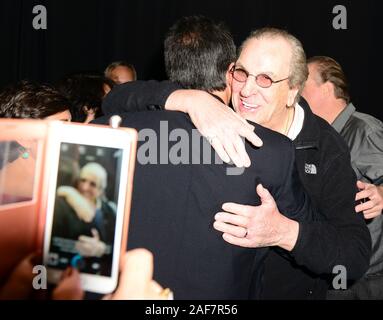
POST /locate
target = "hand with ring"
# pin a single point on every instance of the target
(257, 226)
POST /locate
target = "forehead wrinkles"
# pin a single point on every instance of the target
(267, 54)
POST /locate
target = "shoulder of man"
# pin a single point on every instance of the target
(362, 123)
(138, 96)
(330, 140)
(321, 132)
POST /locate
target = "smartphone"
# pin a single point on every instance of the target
(88, 202)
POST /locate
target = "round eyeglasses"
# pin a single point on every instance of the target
(263, 80)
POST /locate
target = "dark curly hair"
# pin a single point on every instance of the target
(31, 100)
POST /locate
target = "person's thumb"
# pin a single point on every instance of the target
(264, 194)
(95, 234)
(136, 275)
(69, 287)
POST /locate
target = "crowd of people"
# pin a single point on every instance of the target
(310, 197)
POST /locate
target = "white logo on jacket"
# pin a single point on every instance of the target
(310, 168)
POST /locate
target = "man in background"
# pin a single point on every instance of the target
(326, 90)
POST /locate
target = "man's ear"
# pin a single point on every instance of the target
(291, 96)
(328, 89)
(229, 75)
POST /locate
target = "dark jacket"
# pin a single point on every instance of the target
(341, 238)
(66, 223)
(173, 205)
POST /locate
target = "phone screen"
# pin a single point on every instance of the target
(85, 208)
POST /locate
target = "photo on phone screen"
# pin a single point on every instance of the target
(85, 208)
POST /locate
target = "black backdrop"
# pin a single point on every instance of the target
(86, 35)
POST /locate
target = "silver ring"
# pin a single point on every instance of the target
(210, 138)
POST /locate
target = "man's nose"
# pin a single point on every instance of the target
(250, 87)
(85, 186)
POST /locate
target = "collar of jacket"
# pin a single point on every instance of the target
(308, 138)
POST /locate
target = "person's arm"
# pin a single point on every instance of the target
(138, 96)
(78, 202)
(223, 128)
(217, 122)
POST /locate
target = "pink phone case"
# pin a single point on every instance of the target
(21, 222)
